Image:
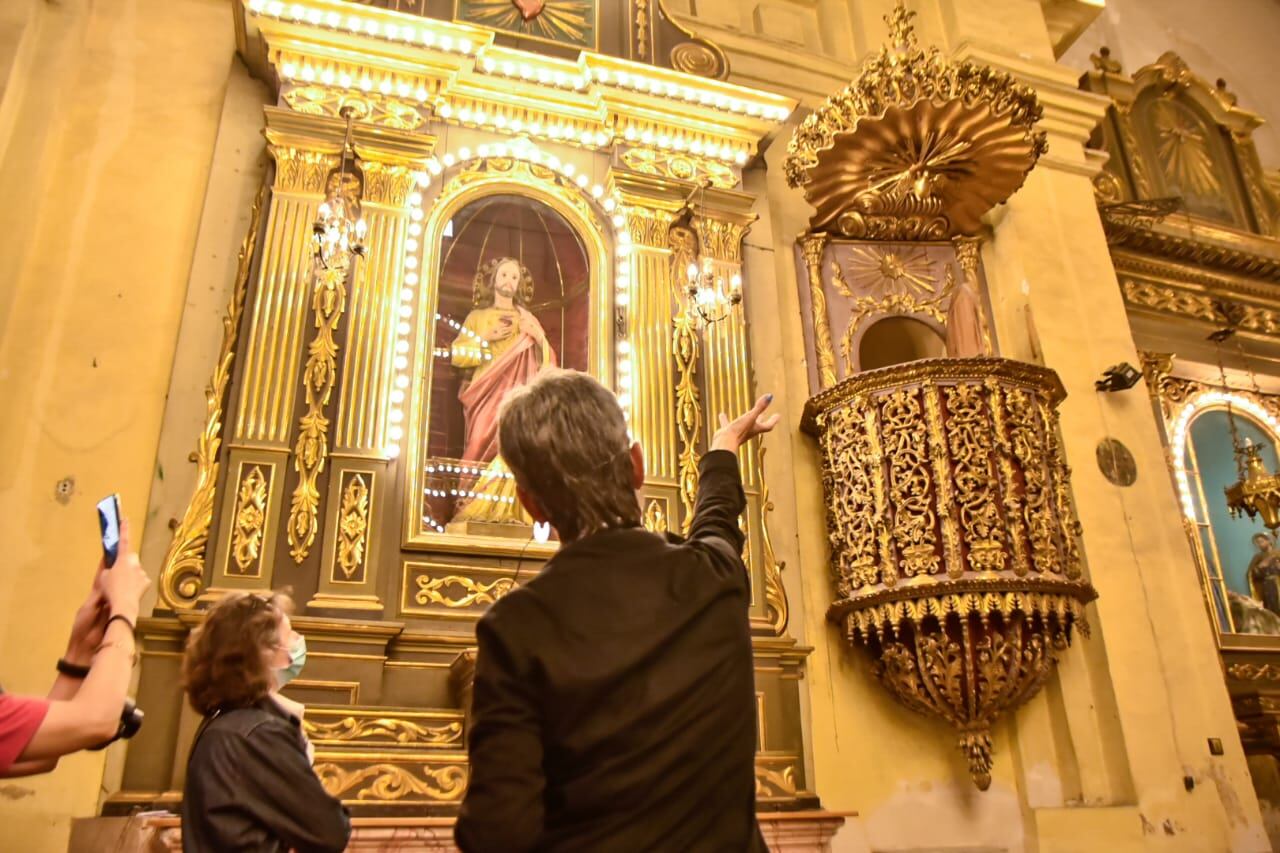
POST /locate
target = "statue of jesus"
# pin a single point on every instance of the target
(515, 348)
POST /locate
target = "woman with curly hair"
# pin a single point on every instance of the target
(250, 785)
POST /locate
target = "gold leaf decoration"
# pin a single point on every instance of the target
(681, 166)
(353, 526)
(400, 731)
(391, 782)
(183, 569)
(433, 590)
(249, 520)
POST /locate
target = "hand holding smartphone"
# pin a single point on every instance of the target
(109, 521)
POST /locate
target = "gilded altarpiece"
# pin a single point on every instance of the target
(349, 450)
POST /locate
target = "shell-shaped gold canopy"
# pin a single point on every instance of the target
(917, 146)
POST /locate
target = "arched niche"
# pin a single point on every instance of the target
(1205, 466)
(897, 340)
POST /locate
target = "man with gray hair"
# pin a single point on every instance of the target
(614, 701)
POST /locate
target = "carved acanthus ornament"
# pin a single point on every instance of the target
(648, 226)
(685, 347)
(1199, 306)
(391, 782)
(720, 239)
(954, 542)
(369, 730)
(655, 516)
(300, 170)
(917, 147)
(249, 522)
(814, 246)
(353, 527)
(311, 452)
(681, 166)
(183, 569)
(387, 183)
(371, 108)
(473, 592)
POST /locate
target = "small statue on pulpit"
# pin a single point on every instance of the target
(504, 346)
(1264, 573)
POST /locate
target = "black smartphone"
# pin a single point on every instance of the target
(109, 521)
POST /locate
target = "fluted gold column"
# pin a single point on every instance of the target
(359, 488)
(252, 495)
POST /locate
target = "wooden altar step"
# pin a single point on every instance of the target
(785, 832)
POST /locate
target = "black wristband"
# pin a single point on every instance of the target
(125, 619)
(72, 670)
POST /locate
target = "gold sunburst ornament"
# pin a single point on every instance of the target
(917, 147)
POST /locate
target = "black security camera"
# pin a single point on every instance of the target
(1119, 377)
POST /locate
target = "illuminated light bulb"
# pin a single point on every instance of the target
(308, 74)
(671, 89)
(753, 109)
(448, 160)
(517, 125)
(395, 433)
(411, 245)
(579, 83)
(385, 87)
(332, 20)
(401, 362)
(597, 191)
(679, 144)
(586, 137)
(406, 294)
(536, 128)
(411, 279)
(464, 45)
(544, 76)
(402, 381)
(526, 71)
(344, 80)
(624, 381)
(326, 77)
(619, 220)
(664, 141)
(446, 42)
(353, 24)
(402, 89)
(415, 199)
(704, 97)
(509, 69)
(403, 328)
(411, 262)
(735, 105)
(696, 147)
(726, 152)
(624, 78)
(647, 137)
(392, 451)
(392, 31)
(371, 28)
(624, 347)
(416, 214)
(561, 78)
(500, 121)
(415, 229)
(433, 166)
(622, 298)
(581, 180)
(464, 114)
(609, 205)
(256, 6)
(482, 151)
(274, 9)
(428, 38)
(464, 153)
(488, 65)
(624, 400)
(445, 111)
(406, 311)
(602, 138)
(688, 94)
(396, 416)
(601, 74)
(740, 157)
(569, 169)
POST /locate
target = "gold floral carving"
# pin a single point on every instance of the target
(948, 473)
(1254, 671)
(387, 184)
(775, 594)
(400, 731)
(648, 226)
(1199, 306)
(917, 147)
(655, 516)
(775, 783)
(390, 782)
(814, 246)
(250, 518)
(680, 165)
(697, 59)
(375, 109)
(183, 569)
(311, 452)
(301, 171)
(353, 526)
(433, 590)
(685, 348)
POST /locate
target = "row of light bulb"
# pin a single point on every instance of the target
(465, 469)
(427, 36)
(561, 132)
(465, 493)
(520, 149)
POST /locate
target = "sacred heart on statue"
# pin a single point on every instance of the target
(529, 9)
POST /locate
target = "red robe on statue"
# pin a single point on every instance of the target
(481, 397)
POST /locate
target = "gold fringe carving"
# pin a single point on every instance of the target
(181, 575)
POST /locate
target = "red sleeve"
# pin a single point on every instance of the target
(20, 717)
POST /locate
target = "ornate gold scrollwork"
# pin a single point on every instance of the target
(387, 184)
(353, 527)
(432, 590)
(648, 226)
(685, 347)
(949, 472)
(720, 239)
(902, 278)
(380, 110)
(642, 30)
(249, 522)
(775, 783)
(655, 516)
(403, 732)
(183, 569)
(680, 165)
(775, 594)
(311, 452)
(301, 170)
(391, 782)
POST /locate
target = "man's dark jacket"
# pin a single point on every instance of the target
(614, 703)
(250, 787)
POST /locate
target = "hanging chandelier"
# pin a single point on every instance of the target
(710, 296)
(1256, 492)
(339, 230)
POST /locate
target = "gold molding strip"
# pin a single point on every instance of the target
(650, 315)
(814, 246)
(182, 573)
(775, 594)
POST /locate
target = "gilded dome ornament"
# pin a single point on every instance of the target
(917, 147)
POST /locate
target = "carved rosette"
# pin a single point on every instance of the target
(917, 147)
(954, 543)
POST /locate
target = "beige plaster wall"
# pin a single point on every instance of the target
(1235, 40)
(108, 117)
